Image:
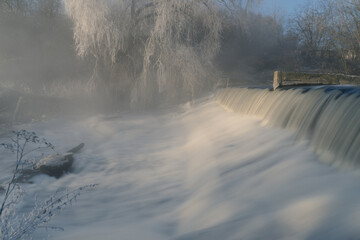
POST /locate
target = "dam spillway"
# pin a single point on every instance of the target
(212, 174)
(327, 116)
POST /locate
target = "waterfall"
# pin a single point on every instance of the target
(329, 117)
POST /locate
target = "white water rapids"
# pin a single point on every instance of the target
(201, 172)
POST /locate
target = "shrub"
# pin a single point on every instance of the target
(12, 224)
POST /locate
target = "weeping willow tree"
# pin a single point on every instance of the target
(152, 51)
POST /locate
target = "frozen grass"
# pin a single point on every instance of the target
(15, 223)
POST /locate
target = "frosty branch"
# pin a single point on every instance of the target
(13, 225)
(152, 51)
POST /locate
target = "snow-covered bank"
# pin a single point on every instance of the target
(197, 172)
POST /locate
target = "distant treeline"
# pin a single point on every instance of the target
(322, 36)
(328, 35)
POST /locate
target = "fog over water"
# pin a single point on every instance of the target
(178, 144)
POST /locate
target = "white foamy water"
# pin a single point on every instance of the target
(195, 172)
(328, 117)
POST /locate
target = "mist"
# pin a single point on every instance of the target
(37, 53)
(169, 114)
(37, 61)
(137, 54)
(121, 55)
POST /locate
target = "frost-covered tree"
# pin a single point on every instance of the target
(152, 50)
(329, 35)
(347, 34)
(311, 26)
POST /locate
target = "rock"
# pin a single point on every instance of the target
(54, 165)
(26, 174)
(77, 148)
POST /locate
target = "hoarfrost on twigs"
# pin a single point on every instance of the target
(163, 49)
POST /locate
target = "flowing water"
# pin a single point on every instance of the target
(328, 117)
(197, 171)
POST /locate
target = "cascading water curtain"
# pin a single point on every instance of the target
(329, 119)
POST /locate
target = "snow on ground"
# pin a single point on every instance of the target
(196, 172)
